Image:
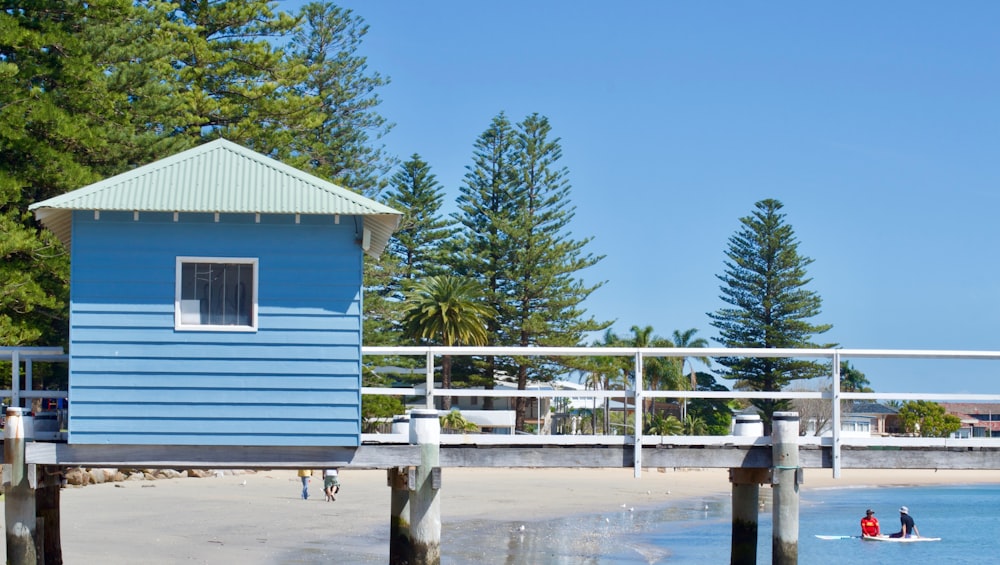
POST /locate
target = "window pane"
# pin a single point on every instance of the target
(222, 293)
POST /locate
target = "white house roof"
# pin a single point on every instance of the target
(219, 176)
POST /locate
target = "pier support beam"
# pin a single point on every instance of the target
(746, 496)
(425, 507)
(785, 479)
(19, 496)
(400, 547)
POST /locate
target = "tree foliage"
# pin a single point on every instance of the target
(715, 412)
(514, 213)
(446, 310)
(853, 380)
(769, 306)
(93, 89)
(928, 419)
(377, 407)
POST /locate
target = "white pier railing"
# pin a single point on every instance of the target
(637, 394)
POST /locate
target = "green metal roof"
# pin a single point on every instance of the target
(219, 176)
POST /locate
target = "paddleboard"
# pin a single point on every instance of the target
(880, 538)
(900, 540)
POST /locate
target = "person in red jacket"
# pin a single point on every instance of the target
(869, 524)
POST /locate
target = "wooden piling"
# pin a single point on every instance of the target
(19, 496)
(785, 478)
(746, 496)
(425, 507)
(400, 546)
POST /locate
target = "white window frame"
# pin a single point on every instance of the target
(181, 325)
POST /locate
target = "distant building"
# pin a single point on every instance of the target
(978, 419)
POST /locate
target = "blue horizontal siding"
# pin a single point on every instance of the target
(211, 412)
(215, 381)
(293, 381)
(96, 335)
(157, 316)
(195, 426)
(198, 352)
(92, 400)
(292, 439)
(100, 365)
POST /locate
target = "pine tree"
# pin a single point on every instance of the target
(337, 141)
(515, 210)
(769, 306)
(418, 242)
(546, 295)
(92, 89)
(482, 249)
(56, 109)
(414, 252)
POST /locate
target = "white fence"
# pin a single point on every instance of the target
(26, 356)
(637, 395)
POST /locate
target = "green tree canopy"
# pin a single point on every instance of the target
(852, 380)
(446, 310)
(769, 306)
(928, 419)
(514, 216)
(93, 89)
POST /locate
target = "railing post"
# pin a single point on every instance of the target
(835, 449)
(637, 423)
(430, 380)
(15, 378)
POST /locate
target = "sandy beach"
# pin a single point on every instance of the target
(260, 517)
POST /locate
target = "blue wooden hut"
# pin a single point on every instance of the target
(216, 300)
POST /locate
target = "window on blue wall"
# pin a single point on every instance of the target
(216, 294)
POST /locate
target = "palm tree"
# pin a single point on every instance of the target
(694, 426)
(660, 426)
(454, 420)
(659, 373)
(447, 310)
(607, 373)
(686, 340)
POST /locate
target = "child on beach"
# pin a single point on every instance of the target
(331, 484)
(305, 475)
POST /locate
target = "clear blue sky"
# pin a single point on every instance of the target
(875, 123)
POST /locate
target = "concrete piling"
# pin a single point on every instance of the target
(786, 476)
(746, 493)
(19, 496)
(400, 547)
(425, 506)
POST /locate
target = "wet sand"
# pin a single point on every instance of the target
(260, 517)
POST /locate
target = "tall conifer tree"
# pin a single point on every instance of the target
(515, 213)
(414, 251)
(482, 247)
(769, 306)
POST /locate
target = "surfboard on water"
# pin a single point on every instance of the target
(900, 540)
(880, 538)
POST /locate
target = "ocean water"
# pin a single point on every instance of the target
(967, 518)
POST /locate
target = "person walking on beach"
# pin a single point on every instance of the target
(907, 527)
(305, 475)
(869, 524)
(331, 484)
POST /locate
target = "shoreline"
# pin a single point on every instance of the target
(260, 517)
